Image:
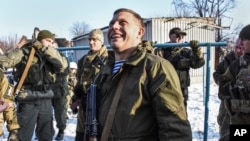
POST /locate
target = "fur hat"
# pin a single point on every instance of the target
(97, 34)
(45, 34)
(245, 33)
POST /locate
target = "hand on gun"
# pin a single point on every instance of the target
(74, 105)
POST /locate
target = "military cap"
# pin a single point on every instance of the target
(45, 34)
(177, 30)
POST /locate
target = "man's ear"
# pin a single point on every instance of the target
(141, 32)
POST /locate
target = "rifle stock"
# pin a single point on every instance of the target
(29, 61)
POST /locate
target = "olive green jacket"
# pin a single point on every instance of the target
(151, 106)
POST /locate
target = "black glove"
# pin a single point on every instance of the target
(194, 44)
(195, 48)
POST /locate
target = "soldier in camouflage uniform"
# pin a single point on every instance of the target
(9, 114)
(182, 58)
(71, 82)
(34, 100)
(235, 86)
(151, 106)
(223, 118)
(88, 66)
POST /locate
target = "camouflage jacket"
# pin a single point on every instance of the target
(231, 77)
(72, 81)
(46, 62)
(221, 68)
(88, 66)
(151, 104)
(182, 59)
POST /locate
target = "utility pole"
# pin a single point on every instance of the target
(218, 49)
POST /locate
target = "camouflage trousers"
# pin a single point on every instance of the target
(223, 120)
(69, 99)
(9, 116)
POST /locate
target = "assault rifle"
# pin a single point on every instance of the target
(91, 130)
(91, 121)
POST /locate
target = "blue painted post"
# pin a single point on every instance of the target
(208, 64)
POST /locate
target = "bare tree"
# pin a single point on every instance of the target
(207, 8)
(79, 28)
(182, 8)
(8, 42)
(202, 8)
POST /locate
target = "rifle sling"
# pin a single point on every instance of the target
(113, 107)
(25, 72)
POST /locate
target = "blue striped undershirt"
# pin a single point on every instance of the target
(118, 65)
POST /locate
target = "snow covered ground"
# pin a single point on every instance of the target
(196, 110)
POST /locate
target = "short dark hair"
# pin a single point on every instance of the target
(136, 15)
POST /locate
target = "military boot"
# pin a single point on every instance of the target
(60, 135)
(13, 135)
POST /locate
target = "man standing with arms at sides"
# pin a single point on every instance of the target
(9, 113)
(34, 109)
(223, 117)
(182, 58)
(139, 93)
(88, 66)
